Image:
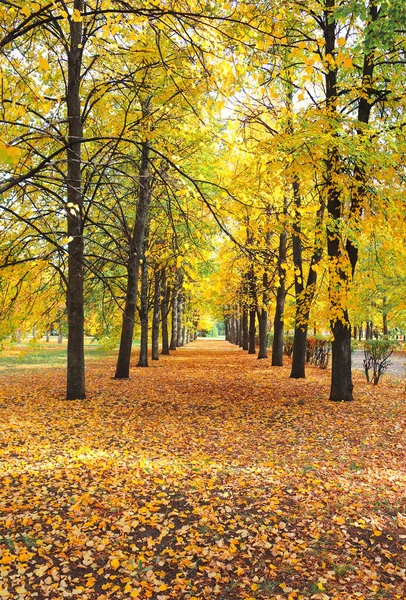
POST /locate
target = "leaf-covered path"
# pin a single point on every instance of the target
(209, 475)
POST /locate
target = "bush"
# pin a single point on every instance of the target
(318, 351)
(377, 353)
(288, 345)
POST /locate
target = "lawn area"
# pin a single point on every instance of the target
(209, 475)
(45, 355)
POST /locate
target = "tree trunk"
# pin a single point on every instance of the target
(155, 314)
(179, 313)
(252, 331)
(385, 327)
(241, 332)
(263, 320)
(279, 323)
(74, 208)
(262, 331)
(143, 357)
(245, 332)
(237, 330)
(341, 380)
(174, 333)
(304, 295)
(127, 328)
(136, 246)
(166, 294)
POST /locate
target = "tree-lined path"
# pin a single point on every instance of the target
(209, 475)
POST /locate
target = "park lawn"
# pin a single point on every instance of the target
(46, 355)
(208, 475)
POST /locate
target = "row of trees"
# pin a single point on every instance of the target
(137, 137)
(321, 155)
(99, 99)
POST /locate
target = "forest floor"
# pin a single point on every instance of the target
(209, 475)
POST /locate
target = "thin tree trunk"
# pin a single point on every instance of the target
(245, 332)
(179, 313)
(279, 323)
(127, 328)
(241, 328)
(304, 295)
(238, 331)
(156, 314)
(166, 294)
(174, 333)
(232, 329)
(262, 331)
(252, 331)
(136, 245)
(385, 327)
(74, 208)
(143, 357)
(263, 320)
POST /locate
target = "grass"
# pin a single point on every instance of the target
(44, 354)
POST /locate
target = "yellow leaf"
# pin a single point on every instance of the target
(90, 582)
(115, 563)
(135, 594)
(341, 41)
(347, 62)
(377, 532)
(43, 63)
(41, 570)
(321, 587)
(254, 587)
(76, 16)
(26, 11)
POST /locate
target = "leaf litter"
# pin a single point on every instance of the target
(208, 475)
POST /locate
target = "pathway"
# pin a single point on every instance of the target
(397, 367)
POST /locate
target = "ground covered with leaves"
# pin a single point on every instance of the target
(209, 475)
